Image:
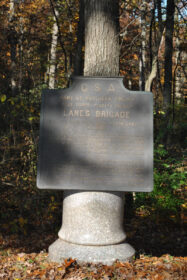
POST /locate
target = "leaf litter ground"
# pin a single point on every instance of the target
(18, 262)
(26, 235)
(35, 266)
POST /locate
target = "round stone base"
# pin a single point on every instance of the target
(93, 218)
(61, 250)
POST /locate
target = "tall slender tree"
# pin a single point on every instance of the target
(155, 46)
(12, 38)
(78, 63)
(54, 42)
(143, 45)
(168, 52)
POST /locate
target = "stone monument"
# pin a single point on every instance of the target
(96, 142)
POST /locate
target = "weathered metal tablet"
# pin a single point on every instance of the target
(96, 135)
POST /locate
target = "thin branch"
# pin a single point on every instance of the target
(125, 28)
(180, 12)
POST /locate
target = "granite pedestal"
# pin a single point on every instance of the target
(92, 229)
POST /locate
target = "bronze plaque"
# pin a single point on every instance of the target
(96, 135)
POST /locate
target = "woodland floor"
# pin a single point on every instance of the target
(160, 254)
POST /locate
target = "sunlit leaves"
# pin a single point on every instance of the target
(3, 98)
(35, 266)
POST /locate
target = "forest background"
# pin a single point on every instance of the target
(42, 46)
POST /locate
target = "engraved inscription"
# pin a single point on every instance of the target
(111, 114)
(76, 113)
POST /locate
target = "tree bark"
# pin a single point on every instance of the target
(101, 38)
(20, 51)
(152, 74)
(155, 49)
(168, 53)
(54, 42)
(160, 22)
(176, 79)
(12, 38)
(59, 35)
(78, 64)
(154, 67)
(143, 46)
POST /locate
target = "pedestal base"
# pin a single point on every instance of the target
(61, 250)
(92, 218)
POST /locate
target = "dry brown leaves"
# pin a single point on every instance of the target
(35, 266)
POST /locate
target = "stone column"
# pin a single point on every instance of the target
(92, 229)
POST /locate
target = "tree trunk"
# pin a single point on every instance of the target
(154, 67)
(152, 74)
(176, 73)
(54, 42)
(55, 14)
(160, 22)
(101, 38)
(155, 49)
(20, 51)
(143, 46)
(168, 53)
(78, 65)
(12, 38)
